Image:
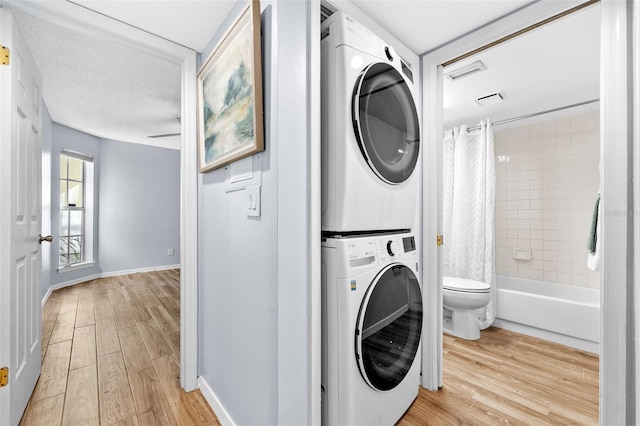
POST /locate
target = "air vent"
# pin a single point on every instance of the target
(490, 99)
(465, 71)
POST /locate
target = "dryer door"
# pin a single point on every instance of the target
(389, 326)
(385, 122)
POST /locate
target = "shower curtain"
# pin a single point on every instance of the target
(468, 209)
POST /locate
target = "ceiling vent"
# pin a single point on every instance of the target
(490, 99)
(465, 71)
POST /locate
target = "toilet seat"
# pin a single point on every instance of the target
(464, 285)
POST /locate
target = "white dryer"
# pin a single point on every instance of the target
(370, 132)
(371, 329)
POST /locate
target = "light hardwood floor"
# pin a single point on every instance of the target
(509, 379)
(110, 351)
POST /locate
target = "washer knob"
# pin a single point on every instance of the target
(390, 248)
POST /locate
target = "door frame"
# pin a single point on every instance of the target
(76, 17)
(432, 93)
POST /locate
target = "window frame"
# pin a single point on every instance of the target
(66, 209)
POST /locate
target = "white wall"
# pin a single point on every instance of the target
(139, 207)
(254, 272)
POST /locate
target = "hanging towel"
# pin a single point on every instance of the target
(593, 237)
(593, 258)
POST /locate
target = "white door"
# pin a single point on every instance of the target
(20, 220)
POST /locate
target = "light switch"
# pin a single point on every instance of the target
(253, 200)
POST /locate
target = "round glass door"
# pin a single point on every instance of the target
(385, 121)
(388, 328)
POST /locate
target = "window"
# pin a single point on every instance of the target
(75, 170)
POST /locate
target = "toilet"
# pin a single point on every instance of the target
(461, 297)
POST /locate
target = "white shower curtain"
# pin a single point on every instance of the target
(468, 209)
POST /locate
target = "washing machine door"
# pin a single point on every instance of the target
(389, 326)
(385, 121)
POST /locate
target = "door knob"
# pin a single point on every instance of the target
(48, 238)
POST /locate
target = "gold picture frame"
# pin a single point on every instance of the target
(230, 113)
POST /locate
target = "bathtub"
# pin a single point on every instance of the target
(557, 312)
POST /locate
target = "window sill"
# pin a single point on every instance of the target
(76, 267)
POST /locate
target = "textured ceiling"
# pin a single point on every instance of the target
(103, 88)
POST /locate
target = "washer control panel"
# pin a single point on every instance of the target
(396, 247)
(374, 250)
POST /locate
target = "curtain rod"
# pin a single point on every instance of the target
(520, 32)
(522, 117)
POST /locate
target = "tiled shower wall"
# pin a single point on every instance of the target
(547, 181)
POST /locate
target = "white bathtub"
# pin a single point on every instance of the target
(558, 312)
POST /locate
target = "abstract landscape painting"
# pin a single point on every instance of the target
(230, 98)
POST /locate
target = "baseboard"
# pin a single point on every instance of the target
(223, 416)
(573, 342)
(46, 296)
(139, 270)
(69, 283)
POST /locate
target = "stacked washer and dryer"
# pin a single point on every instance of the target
(371, 296)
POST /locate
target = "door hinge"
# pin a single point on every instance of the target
(4, 376)
(5, 55)
(439, 240)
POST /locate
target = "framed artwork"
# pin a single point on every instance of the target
(230, 116)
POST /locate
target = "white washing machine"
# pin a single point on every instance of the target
(370, 132)
(371, 329)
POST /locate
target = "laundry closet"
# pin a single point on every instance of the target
(372, 311)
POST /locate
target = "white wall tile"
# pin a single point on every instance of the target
(537, 275)
(544, 198)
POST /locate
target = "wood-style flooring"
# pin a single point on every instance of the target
(110, 351)
(506, 378)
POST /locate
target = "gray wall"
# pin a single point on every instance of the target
(65, 137)
(136, 204)
(139, 206)
(254, 272)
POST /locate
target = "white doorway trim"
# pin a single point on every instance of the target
(635, 20)
(73, 16)
(189, 228)
(617, 330)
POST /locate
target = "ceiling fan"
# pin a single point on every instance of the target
(165, 135)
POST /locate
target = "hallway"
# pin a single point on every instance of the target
(110, 356)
